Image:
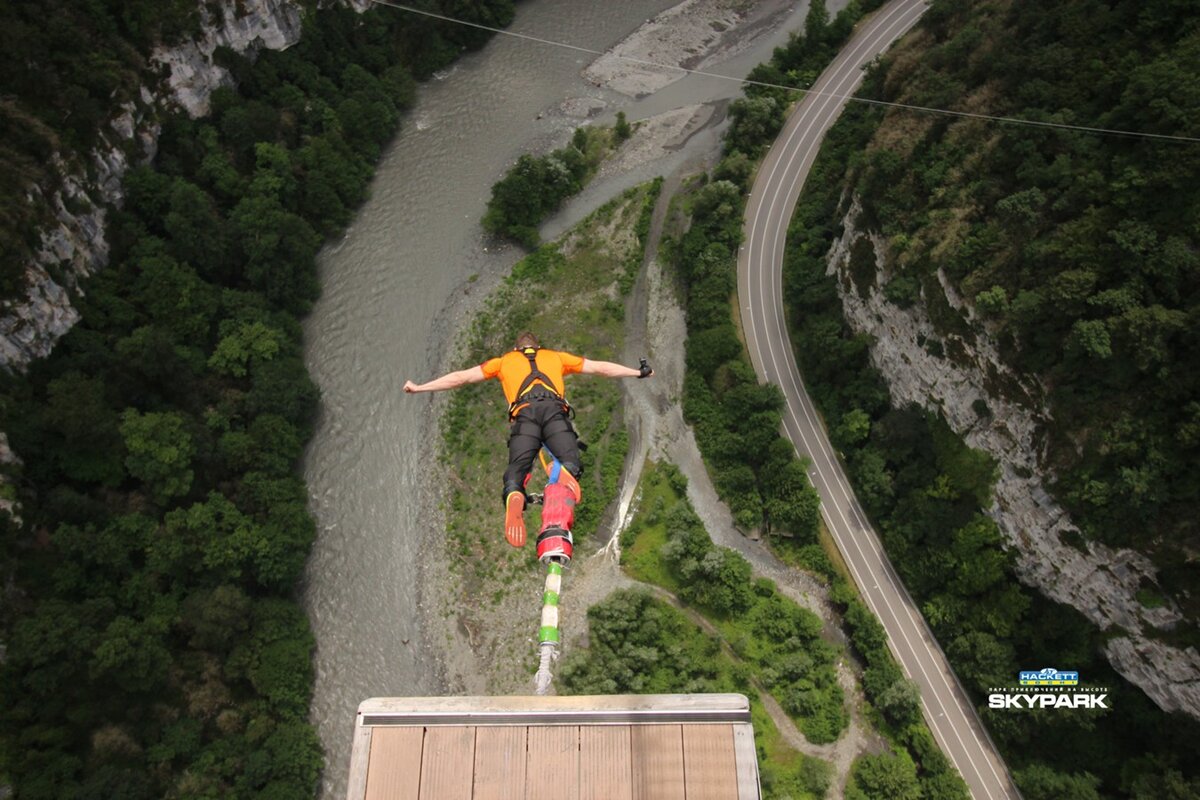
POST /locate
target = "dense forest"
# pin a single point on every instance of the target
(755, 640)
(923, 488)
(153, 644)
(737, 420)
(1079, 253)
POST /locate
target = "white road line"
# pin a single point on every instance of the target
(814, 116)
(819, 114)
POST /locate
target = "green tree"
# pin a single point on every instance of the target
(735, 167)
(719, 581)
(175, 298)
(639, 644)
(1040, 782)
(242, 344)
(900, 703)
(981, 659)
(622, 128)
(196, 231)
(216, 617)
(280, 249)
(791, 504)
(160, 451)
(854, 427)
(1162, 784)
(816, 21)
(273, 176)
(887, 776)
(992, 301)
(1090, 337)
(82, 430)
(133, 654)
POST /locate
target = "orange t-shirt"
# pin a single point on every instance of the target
(512, 369)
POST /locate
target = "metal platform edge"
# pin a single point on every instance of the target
(569, 710)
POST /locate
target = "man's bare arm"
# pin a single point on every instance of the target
(451, 380)
(608, 369)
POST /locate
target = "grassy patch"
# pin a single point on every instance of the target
(643, 645)
(1150, 597)
(777, 641)
(569, 294)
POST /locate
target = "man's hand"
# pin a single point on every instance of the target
(610, 370)
(644, 370)
(451, 380)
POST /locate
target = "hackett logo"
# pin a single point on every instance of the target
(1048, 676)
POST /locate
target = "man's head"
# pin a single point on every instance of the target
(524, 340)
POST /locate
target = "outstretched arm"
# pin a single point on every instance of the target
(451, 380)
(610, 370)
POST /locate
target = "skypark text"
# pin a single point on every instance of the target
(1041, 700)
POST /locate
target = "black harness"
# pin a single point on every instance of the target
(528, 393)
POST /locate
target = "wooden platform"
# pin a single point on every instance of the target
(622, 747)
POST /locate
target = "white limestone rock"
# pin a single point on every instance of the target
(29, 329)
(1169, 675)
(76, 246)
(7, 506)
(1102, 582)
(244, 26)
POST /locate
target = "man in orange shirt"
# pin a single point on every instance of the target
(532, 379)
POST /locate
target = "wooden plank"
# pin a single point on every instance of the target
(605, 768)
(747, 762)
(360, 758)
(447, 761)
(499, 763)
(709, 765)
(552, 766)
(657, 755)
(394, 771)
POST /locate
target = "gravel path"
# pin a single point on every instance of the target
(656, 326)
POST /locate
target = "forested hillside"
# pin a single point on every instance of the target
(1079, 252)
(1011, 217)
(53, 102)
(153, 645)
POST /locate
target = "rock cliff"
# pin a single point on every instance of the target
(951, 377)
(242, 27)
(75, 246)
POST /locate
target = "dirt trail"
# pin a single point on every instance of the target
(656, 327)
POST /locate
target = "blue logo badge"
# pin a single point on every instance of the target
(1048, 676)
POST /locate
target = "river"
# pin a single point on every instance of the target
(395, 290)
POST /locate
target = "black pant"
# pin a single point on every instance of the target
(540, 422)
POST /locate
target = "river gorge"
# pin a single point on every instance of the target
(398, 287)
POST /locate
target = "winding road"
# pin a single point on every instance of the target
(946, 706)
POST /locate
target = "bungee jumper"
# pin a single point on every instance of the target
(539, 416)
(540, 426)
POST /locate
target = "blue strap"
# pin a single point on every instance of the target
(555, 467)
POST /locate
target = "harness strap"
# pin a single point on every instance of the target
(527, 385)
(525, 427)
(556, 425)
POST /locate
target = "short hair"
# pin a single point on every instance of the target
(526, 339)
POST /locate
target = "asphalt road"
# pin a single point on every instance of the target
(947, 709)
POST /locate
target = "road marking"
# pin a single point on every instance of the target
(844, 69)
